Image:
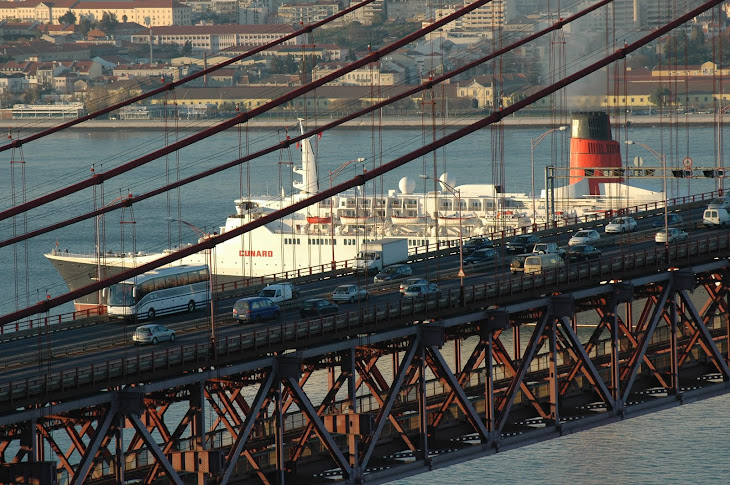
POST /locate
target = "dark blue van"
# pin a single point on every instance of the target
(255, 309)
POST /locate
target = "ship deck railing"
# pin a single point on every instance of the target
(416, 253)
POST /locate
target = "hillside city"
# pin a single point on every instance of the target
(71, 57)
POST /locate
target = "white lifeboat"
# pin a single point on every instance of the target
(409, 220)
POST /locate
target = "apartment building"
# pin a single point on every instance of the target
(215, 38)
(294, 13)
(144, 12)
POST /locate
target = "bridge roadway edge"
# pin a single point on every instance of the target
(505, 443)
(522, 298)
(538, 436)
(249, 290)
(513, 306)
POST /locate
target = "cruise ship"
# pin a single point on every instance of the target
(334, 230)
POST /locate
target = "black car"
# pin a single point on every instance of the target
(316, 307)
(672, 220)
(583, 252)
(393, 272)
(475, 244)
(481, 256)
(521, 244)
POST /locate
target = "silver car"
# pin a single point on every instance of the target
(621, 225)
(671, 235)
(351, 293)
(410, 282)
(152, 334)
(417, 291)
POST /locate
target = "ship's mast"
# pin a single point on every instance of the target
(310, 182)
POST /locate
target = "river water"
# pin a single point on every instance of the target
(675, 446)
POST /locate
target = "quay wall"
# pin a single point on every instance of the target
(391, 122)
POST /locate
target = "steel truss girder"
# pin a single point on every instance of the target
(474, 361)
(709, 344)
(579, 353)
(506, 402)
(376, 393)
(500, 355)
(637, 357)
(657, 311)
(306, 405)
(382, 416)
(246, 428)
(443, 371)
(105, 432)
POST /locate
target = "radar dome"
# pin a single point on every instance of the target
(406, 185)
(447, 182)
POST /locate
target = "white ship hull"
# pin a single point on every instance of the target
(335, 231)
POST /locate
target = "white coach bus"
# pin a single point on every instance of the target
(159, 292)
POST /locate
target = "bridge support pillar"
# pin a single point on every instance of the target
(622, 293)
(353, 440)
(673, 345)
(29, 442)
(197, 424)
(119, 452)
(561, 309)
(553, 373)
(422, 404)
(432, 336)
(496, 320)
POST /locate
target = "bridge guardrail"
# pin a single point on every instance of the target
(276, 337)
(250, 286)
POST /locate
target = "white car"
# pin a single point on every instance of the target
(585, 236)
(621, 225)
(410, 282)
(417, 291)
(152, 334)
(671, 235)
(351, 293)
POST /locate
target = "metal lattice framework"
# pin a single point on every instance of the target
(400, 401)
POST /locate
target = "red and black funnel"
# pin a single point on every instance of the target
(593, 148)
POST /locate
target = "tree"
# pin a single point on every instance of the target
(67, 18)
(32, 95)
(187, 48)
(108, 22)
(85, 25)
(124, 19)
(659, 97)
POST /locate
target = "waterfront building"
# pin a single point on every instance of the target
(60, 110)
(325, 52)
(152, 12)
(215, 38)
(381, 74)
(294, 13)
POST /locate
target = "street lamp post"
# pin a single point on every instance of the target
(210, 259)
(662, 159)
(456, 193)
(333, 174)
(721, 180)
(534, 142)
(98, 220)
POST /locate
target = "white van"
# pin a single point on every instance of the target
(537, 263)
(720, 203)
(278, 292)
(713, 217)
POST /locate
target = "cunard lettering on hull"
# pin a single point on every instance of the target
(256, 254)
(334, 231)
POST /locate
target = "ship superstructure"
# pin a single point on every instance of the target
(334, 230)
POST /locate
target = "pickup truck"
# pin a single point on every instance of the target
(549, 248)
